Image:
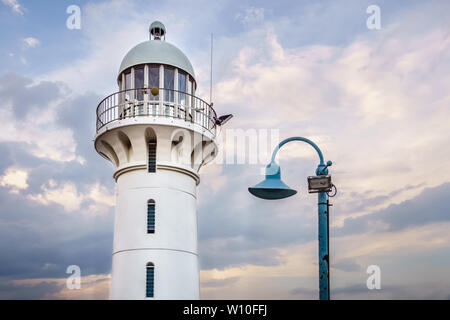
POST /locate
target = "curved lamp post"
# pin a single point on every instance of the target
(272, 188)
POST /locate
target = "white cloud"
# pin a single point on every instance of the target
(66, 194)
(251, 15)
(375, 106)
(31, 42)
(15, 179)
(37, 124)
(112, 38)
(43, 139)
(14, 5)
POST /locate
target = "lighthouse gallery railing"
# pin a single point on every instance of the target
(162, 102)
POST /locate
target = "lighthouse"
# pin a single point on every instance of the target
(157, 134)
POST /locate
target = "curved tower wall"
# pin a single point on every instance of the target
(172, 248)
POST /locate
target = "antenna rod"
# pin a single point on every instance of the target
(211, 76)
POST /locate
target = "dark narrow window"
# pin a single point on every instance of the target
(151, 216)
(169, 76)
(153, 76)
(153, 80)
(181, 87)
(149, 288)
(127, 80)
(152, 156)
(139, 82)
(128, 94)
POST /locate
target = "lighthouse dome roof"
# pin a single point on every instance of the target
(159, 52)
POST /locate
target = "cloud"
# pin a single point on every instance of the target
(14, 5)
(251, 15)
(15, 179)
(422, 291)
(428, 207)
(346, 265)
(69, 194)
(31, 42)
(31, 109)
(217, 283)
(29, 252)
(71, 199)
(11, 291)
(92, 287)
(303, 291)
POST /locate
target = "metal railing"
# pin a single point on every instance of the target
(145, 102)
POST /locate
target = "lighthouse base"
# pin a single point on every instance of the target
(176, 275)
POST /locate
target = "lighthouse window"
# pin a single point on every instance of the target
(151, 216)
(152, 156)
(150, 280)
(139, 82)
(128, 80)
(181, 87)
(189, 90)
(127, 85)
(169, 74)
(153, 76)
(153, 82)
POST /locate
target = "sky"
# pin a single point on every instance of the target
(376, 101)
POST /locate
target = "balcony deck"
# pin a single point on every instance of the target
(166, 103)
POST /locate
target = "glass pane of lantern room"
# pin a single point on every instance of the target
(169, 74)
(189, 90)
(181, 87)
(120, 89)
(128, 85)
(139, 82)
(153, 79)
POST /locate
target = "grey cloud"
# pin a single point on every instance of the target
(9, 290)
(217, 283)
(347, 265)
(41, 241)
(38, 241)
(362, 201)
(303, 291)
(24, 96)
(219, 258)
(398, 291)
(237, 229)
(431, 206)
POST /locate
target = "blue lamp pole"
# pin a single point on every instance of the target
(272, 188)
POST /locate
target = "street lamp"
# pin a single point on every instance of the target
(272, 188)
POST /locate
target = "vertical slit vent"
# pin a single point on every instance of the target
(151, 216)
(149, 292)
(152, 156)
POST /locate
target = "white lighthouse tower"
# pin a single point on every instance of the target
(157, 134)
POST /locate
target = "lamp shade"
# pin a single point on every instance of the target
(272, 188)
